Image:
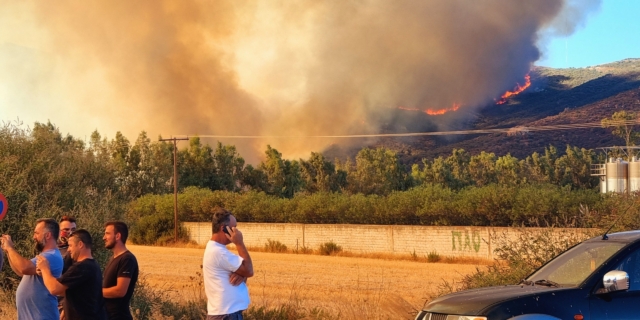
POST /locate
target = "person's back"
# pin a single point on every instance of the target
(83, 297)
(33, 300)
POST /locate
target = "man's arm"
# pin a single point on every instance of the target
(236, 279)
(119, 290)
(50, 282)
(246, 268)
(19, 265)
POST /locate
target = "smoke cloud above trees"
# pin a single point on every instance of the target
(269, 68)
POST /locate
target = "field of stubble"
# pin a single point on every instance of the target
(350, 287)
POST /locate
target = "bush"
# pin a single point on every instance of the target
(275, 246)
(433, 257)
(533, 205)
(329, 248)
(303, 250)
(157, 229)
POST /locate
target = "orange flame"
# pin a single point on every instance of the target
(517, 90)
(434, 112)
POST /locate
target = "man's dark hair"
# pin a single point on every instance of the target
(50, 225)
(119, 227)
(220, 218)
(68, 218)
(84, 236)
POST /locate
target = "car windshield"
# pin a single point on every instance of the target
(576, 264)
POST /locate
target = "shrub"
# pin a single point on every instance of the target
(275, 246)
(414, 255)
(329, 248)
(433, 257)
(156, 229)
(303, 250)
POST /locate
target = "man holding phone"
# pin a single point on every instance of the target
(224, 272)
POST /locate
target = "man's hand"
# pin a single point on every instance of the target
(41, 264)
(7, 243)
(235, 235)
(236, 279)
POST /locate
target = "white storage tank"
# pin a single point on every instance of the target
(617, 173)
(634, 175)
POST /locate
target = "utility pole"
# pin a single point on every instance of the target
(175, 185)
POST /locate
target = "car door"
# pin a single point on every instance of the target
(620, 304)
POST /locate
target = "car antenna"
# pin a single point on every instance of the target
(604, 236)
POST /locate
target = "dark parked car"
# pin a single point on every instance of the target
(596, 279)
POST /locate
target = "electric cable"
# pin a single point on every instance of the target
(512, 130)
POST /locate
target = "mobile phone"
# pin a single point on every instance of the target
(224, 229)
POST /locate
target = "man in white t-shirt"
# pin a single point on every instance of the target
(225, 273)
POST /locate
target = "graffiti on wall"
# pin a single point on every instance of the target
(465, 242)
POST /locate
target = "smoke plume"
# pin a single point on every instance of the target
(273, 67)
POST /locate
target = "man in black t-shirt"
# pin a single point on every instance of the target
(80, 284)
(121, 273)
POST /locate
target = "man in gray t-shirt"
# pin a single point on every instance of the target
(33, 300)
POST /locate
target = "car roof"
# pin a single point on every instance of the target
(625, 236)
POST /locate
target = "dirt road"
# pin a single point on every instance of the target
(344, 285)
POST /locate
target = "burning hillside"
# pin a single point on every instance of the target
(518, 89)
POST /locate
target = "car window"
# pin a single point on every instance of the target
(631, 265)
(576, 264)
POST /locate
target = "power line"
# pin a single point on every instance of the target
(512, 130)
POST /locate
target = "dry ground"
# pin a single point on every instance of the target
(345, 285)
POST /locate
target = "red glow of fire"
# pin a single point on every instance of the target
(517, 90)
(434, 112)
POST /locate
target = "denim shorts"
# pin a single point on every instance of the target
(232, 316)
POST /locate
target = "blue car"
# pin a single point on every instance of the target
(597, 279)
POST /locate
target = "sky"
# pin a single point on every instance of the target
(609, 34)
(287, 68)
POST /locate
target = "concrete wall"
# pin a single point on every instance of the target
(446, 241)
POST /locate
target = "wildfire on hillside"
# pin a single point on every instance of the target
(516, 91)
(434, 112)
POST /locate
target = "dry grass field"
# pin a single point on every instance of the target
(346, 286)
(342, 287)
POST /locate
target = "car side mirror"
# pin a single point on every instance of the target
(615, 280)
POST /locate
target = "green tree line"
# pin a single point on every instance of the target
(145, 167)
(46, 174)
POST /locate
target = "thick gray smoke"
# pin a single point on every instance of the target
(279, 67)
